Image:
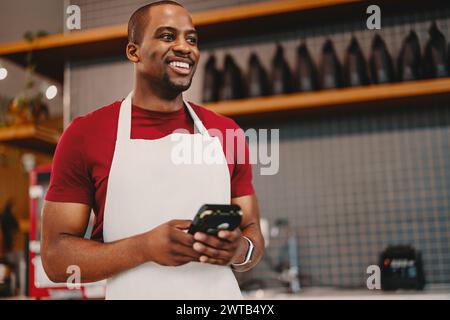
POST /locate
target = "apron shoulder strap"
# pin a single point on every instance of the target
(197, 122)
(124, 121)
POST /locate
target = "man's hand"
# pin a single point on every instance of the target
(228, 247)
(169, 245)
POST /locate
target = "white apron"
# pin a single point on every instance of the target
(145, 189)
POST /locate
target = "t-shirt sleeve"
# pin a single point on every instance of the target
(70, 179)
(241, 179)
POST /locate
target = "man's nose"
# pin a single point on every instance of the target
(182, 46)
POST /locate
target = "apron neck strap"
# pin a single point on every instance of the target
(197, 122)
(124, 122)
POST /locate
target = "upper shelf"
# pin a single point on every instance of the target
(211, 18)
(31, 136)
(200, 19)
(51, 52)
(330, 98)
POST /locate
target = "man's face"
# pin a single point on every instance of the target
(168, 49)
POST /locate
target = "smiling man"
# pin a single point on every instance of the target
(116, 161)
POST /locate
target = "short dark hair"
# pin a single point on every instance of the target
(139, 20)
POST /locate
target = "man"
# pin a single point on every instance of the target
(117, 161)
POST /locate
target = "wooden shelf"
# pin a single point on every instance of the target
(44, 139)
(31, 136)
(332, 98)
(200, 19)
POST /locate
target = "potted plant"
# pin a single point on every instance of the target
(28, 107)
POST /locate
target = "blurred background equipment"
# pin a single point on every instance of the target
(9, 227)
(401, 268)
(288, 260)
(284, 271)
(7, 285)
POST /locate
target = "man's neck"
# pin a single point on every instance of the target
(148, 98)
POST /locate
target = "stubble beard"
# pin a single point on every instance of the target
(175, 87)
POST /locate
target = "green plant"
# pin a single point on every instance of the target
(27, 107)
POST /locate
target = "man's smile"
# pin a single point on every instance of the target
(181, 68)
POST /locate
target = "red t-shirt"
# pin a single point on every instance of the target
(84, 153)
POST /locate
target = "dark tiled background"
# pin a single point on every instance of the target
(352, 184)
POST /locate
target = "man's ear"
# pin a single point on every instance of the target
(133, 52)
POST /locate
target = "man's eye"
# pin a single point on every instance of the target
(192, 40)
(167, 36)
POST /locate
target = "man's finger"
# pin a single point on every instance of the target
(230, 235)
(212, 252)
(212, 241)
(182, 237)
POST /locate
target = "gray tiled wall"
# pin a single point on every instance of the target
(349, 185)
(100, 13)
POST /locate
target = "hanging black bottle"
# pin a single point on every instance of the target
(211, 81)
(306, 72)
(282, 81)
(257, 78)
(435, 60)
(381, 66)
(232, 83)
(355, 68)
(331, 70)
(409, 59)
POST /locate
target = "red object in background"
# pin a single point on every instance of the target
(39, 286)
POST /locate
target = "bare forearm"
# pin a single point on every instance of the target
(96, 261)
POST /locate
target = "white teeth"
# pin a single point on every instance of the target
(180, 64)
